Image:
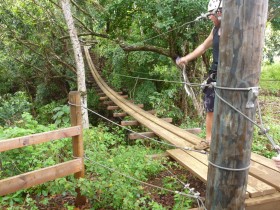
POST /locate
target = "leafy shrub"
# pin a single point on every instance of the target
(61, 116)
(142, 92)
(31, 158)
(12, 107)
(106, 147)
(46, 112)
(164, 105)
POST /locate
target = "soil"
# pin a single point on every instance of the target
(167, 199)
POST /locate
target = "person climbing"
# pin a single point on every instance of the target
(215, 15)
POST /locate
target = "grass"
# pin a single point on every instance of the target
(269, 103)
(270, 78)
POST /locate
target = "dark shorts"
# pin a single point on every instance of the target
(209, 98)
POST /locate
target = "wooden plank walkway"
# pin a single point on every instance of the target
(263, 180)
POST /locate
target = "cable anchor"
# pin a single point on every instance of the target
(252, 96)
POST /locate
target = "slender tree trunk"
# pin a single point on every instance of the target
(241, 45)
(66, 8)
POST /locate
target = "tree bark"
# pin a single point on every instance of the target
(66, 8)
(241, 45)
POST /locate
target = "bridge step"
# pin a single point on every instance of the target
(198, 164)
(117, 107)
(103, 94)
(103, 98)
(112, 103)
(143, 135)
(123, 114)
(134, 122)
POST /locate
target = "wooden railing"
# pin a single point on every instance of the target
(75, 166)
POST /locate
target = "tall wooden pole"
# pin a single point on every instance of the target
(241, 45)
(77, 141)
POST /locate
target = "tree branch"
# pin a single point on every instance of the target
(150, 48)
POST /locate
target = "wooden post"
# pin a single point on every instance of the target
(241, 44)
(77, 141)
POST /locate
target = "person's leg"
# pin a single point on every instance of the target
(209, 107)
(209, 123)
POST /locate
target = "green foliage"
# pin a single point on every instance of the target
(106, 147)
(272, 44)
(12, 107)
(61, 116)
(31, 158)
(270, 78)
(163, 103)
(93, 99)
(45, 113)
(270, 119)
(142, 92)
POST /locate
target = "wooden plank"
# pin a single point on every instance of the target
(113, 107)
(153, 112)
(103, 94)
(108, 103)
(112, 103)
(193, 130)
(258, 187)
(39, 138)
(40, 176)
(123, 114)
(193, 165)
(143, 135)
(255, 187)
(267, 202)
(134, 122)
(264, 161)
(117, 107)
(103, 98)
(265, 174)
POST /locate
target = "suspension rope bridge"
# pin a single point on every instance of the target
(263, 180)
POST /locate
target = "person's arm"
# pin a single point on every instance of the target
(277, 161)
(198, 51)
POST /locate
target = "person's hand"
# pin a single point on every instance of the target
(181, 62)
(277, 161)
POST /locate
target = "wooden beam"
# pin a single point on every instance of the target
(103, 98)
(134, 122)
(19, 142)
(143, 135)
(193, 130)
(40, 176)
(103, 94)
(268, 202)
(123, 114)
(113, 107)
(77, 141)
(198, 164)
(108, 103)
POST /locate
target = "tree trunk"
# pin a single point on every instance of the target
(66, 8)
(241, 45)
